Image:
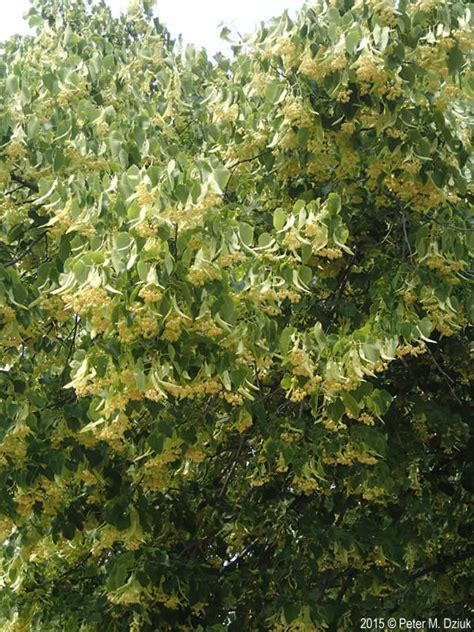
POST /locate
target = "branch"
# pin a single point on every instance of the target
(244, 160)
(232, 467)
(445, 561)
(28, 249)
(71, 346)
(442, 372)
(28, 184)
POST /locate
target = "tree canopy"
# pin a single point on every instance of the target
(235, 321)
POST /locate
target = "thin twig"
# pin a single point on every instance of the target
(28, 249)
(442, 372)
(71, 346)
(232, 468)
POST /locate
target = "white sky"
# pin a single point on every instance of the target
(197, 20)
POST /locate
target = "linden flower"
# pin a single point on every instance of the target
(309, 66)
(297, 113)
(196, 455)
(225, 261)
(259, 83)
(227, 114)
(200, 274)
(16, 149)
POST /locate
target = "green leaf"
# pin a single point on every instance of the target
(352, 39)
(246, 233)
(81, 272)
(351, 404)
(221, 177)
(279, 218)
(333, 203)
(12, 84)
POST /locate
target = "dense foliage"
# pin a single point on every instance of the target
(235, 311)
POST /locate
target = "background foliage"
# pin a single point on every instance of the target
(235, 321)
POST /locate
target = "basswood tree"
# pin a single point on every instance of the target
(235, 311)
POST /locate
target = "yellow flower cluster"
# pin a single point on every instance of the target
(252, 143)
(289, 140)
(324, 158)
(291, 437)
(55, 308)
(297, 113)
(226, 113)
(114, 402)
(366, 419)
(146, 325)
(258, 482)
(329, 253)
(374, 77)
(15, 149)
(421, 428)
(147, 228)
(173, 327)
(445, 268)
(464, 41)
(297, 395)
(425, 5)
(6, 527)
(191, 216)
(404, 350)
(153, 473)
(289, 168)
(13, 445)
(125, 333)
(195, 454)
(112, 433)
(275, 295)
(145, 197)
(374, 493)
(25, 501)
(200, 274)
(302, 364)
(286, 49)
(108, 536)
(270, 310)
(84, 162)
(245, 421)
(87, 299)
(196, 389)
(206, 327)
(225, 261)
(343, 95)
(348, 127)
(258, 84)
(386, 15)
(444, 323)
(421, 196)
(173, 602)
(150, 293)
(52, 496)
(292, 240)
(155, 395)
(317, 232)
(392, 132)
(231, 398)
(7, 312)
(304, 485)
(309, 66)
(324, 65)
(334, 426)
(350, 455)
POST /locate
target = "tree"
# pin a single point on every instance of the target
(235, 321)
